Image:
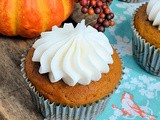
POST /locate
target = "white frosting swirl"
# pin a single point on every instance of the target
(74, 55)
(153, 12)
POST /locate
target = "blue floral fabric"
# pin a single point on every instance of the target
(138, 96)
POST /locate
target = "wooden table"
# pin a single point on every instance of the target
(15, 100)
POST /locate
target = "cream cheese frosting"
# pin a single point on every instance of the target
(153, 12)
(74, 55)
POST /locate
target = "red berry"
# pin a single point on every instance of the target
(102, 15)
(104, 6)
(101, 29)
(84, 10)
(97, 10)
(99, 20)
(99, 3)
(88, 3)
(106, 23)
(90, 11)
(108, 17)
(107, 11)
(96, 25)
(93, 2)
(83, 2)
(111, 23)
(109, 1)
(112, 15)
(103, 1)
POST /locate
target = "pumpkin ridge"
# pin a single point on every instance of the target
(13, 15)
(28, 18)
(5, 18)
(1, 15)
(41, 6)
(17, 9)
(68, 7)
(56, 9)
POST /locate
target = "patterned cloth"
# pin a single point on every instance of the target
(138, 96)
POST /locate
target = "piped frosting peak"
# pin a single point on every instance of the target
(153, 12)
(74, 55)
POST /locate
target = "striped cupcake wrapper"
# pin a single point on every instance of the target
(53, 111)
(146, 55)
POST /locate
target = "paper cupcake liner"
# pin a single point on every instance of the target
(53, 111)
(145, 54)
(133, 1)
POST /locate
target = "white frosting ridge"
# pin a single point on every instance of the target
(74, 55)
(153, 12)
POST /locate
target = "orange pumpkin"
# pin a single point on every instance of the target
(28, 18)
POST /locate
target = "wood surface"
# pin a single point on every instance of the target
(15, 100)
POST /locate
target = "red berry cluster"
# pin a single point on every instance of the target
(100, 7)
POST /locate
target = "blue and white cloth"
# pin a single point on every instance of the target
(138, 96)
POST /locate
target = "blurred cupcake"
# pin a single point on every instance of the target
(146, 36)
(71, 72)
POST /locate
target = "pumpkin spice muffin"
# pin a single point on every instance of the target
(74, 76)
(146, 36)
(145, 28)
(62, 93)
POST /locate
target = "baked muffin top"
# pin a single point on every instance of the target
(145, 28)
(77, 95)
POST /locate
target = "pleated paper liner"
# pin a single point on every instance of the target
(53, 111)
(145, 54)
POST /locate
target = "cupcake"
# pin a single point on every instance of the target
(146, 36)
(71, 72)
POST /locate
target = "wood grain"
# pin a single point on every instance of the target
(15, 100)
(78, 16)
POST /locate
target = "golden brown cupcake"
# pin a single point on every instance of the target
(71, 72)
(146, 37)
(62, 93)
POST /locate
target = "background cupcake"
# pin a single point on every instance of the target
(146, 36)
(71, 72)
